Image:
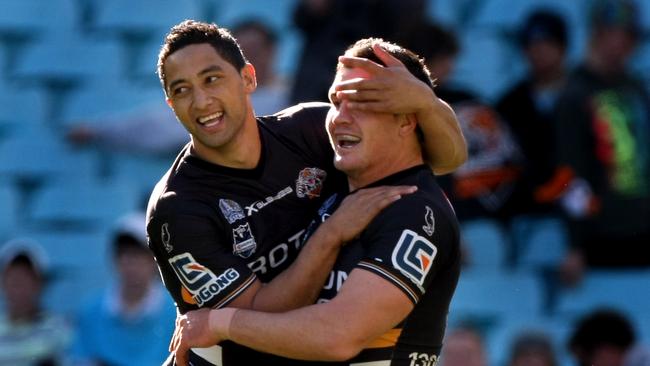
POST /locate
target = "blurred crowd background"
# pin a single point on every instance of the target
(554, 201)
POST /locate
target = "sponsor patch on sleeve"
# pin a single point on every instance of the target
(413, 256)
(200, 284)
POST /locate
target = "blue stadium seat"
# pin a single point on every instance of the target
(626, 290)
(144, 17)
(487, 64)
(25, 17)
(540, 242)
(485, 244)
(140, 172)
(10, 198)
(33, 156)
(23, 106)
(277, 15)
(68, 204)
(105, 97)
(68, 56)
(494, 296)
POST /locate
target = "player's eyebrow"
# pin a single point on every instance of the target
(209, 69)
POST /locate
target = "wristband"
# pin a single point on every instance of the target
(219, 322)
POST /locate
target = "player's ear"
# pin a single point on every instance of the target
(407, 124)
(169, 103)
(250, 80)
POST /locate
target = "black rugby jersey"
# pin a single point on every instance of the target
(414, 244)
(214, 229)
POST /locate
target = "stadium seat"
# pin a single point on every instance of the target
(492, 297)
(144, 17)
(35, 155)
(278, 15)
(539, 242)
(23, 106)
(70, 58)
(82, 205)
(627, 290)
(105, 97)
(487, 64)
(485, 244)
(27, 17)
(9, 196)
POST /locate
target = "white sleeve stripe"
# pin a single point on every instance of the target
(249, 281)
(397, 281)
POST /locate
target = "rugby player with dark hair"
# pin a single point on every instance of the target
(387, 298)
(225, 221)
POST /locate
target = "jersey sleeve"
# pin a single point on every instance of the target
(409, 243)
(196, 260)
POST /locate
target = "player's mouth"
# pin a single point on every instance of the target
(210, 120)
(345, 141)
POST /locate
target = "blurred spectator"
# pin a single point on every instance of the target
(259, 43)
(329, 26)
(602, 338)
(440, 48)
(532, 348)
(28, 336)
(528, 109)
(131, 322)
(479, 188)
(149, 129)
(464, 346)
(603, 134)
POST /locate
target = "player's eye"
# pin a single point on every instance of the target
(179, 91)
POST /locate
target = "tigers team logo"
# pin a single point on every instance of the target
(310, 182)
(413, 255)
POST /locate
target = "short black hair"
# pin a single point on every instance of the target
(543, 24)
(191, 32)
(414, 63)
(602, 327)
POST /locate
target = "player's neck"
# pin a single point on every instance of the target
(243, 151)
(377, 172)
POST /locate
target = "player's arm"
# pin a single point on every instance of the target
(300, 284)
(392, 88)
(366, 307)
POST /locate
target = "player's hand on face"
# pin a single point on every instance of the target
(192, 330)
(358, 209)
(391, 88)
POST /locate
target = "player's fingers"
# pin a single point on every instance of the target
(181, 355)
(385, 57)
(362, 63)
(358, 84)
(359, 95)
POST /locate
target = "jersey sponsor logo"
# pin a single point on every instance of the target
(258, 205)
(413, 255)
(310, 182)
(243, 241)
(231, 210)
(430, 221)
(166, 237)
(278, 255)
(200, 284)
